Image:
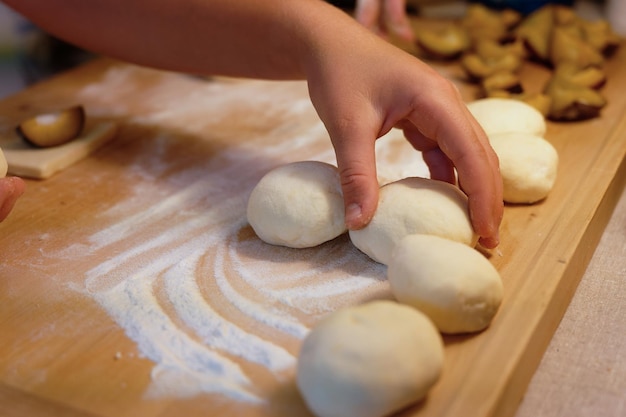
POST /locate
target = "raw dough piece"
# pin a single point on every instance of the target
(415, 205)
(453, 284)
(3, 165)
(528, 165)
(369, 361)
(499, 115)
(27, 161)
(298, 205)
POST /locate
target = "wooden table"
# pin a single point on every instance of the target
(131, 284)
(583, 372)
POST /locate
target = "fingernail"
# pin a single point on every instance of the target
(353, 215)
(496, 237)
(490, 243)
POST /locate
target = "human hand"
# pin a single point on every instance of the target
(384, 17)
(11, 188)
(363, 90)
(361, 85)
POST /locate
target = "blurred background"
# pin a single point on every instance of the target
(10, 77)
(28, 54)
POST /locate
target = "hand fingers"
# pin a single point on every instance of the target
(395, 19)
(367, 13)
(439, 165)
(356, 161)
(467, 147)
(489, 239)
(391, 18)
(11, 189)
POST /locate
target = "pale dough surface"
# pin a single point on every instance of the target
(369, 360)
(500, 115)
(528, 165)
(415, 205)
(453, 284)
(298, 205)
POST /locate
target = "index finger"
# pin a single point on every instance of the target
(461, 138)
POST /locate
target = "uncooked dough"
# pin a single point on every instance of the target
(453, 284)
(369, 360)
(298, 205)
(528, 165)
(3, 165)
(415, 205)
(500, 115)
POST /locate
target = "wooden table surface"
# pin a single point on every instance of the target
(131, 284)
(583, 372)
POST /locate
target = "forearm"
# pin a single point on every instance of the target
(265, 39)
(360, 85)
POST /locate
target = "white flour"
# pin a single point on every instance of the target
(162, 289)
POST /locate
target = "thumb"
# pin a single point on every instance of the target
(356, 161)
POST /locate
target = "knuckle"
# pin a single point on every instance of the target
(354, 178)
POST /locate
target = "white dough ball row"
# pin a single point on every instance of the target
(528, 162)
(415, 205)
(369, 360)
(503, 115)
(298, 205)
(453, 284)
(377, 358)
(528, 165)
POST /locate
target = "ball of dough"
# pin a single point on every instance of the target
(453, 284)
(499, 115)
(528, 165)
(415, 205)
(369, 361)
(3, 165)
(298, 205)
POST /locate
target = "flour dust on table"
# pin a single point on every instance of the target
(216, 309)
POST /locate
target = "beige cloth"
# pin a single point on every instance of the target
(583, 372)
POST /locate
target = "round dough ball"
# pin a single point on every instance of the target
(453, 284)
(499, 115)
(3, 165)
(415, 205)
(298, 205)
(369, 361)
(528, 165)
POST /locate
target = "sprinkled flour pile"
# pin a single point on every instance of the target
(198, 292)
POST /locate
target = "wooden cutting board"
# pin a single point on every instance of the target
(25, 160)
(131, 284)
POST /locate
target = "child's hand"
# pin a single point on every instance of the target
(363, 90)
(11, 189)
